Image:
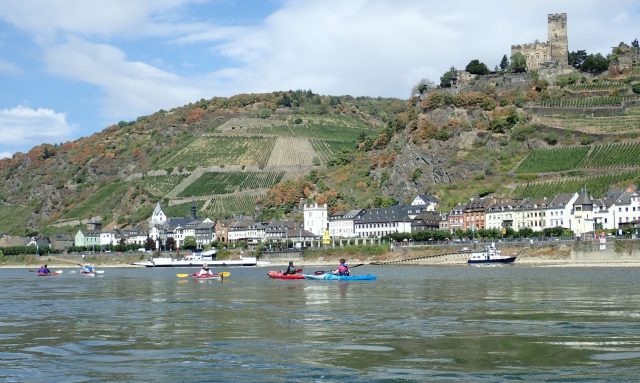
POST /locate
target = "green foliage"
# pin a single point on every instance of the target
(551, 138)
(99, 202)
(522, 133)
(190, 243)
(159, 186)
(344, 157)
(636, 88)
(476, 67)
(518, 63)
(504, 63)
(447, 77)
(595, 64)
(552, 160)
(567, 79)
(423, 86)
(384, 201)
(577, 58)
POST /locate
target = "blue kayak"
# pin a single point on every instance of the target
(332, 277)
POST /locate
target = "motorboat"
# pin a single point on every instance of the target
(490, 255)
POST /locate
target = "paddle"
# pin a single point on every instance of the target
(320, 272)
(223, 274)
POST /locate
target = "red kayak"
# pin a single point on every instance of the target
(48, 274)
(279, 275)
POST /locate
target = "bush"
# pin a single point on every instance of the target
(636, 88)
(551, 139)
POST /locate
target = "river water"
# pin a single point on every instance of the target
(415, 324)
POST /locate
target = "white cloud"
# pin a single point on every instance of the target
(131, 88)
(5, 155)
(95, 17)
(9, 68)
(25, 127)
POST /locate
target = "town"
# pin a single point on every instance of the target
(574, 215)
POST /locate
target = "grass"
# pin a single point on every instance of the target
(596, 185)
(553, 160)
(225, 206)
(14, 218)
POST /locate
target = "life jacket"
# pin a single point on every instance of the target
(290, 270)
(343, 269)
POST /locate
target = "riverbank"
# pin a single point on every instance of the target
(579, 254)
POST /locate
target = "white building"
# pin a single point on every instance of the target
(582, 221)
(375, 223)
(158, 218)
(342, 224)
(559, 210)
(315, 218)
(428, 202)
(501, 215)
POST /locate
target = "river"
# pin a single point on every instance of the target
(415, 324)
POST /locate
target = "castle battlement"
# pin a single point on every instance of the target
(536, 45)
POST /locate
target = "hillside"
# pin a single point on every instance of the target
(223, 153)
(260, 154)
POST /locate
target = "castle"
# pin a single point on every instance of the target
(552, 53)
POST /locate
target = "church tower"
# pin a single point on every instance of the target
(558, 41)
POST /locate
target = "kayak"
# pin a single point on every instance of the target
(332, 277)
(90, 274)
(52, 274)
(214, 276)
(279, 275)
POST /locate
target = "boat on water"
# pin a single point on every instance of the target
(490, 255)
(333, 277)
(279, 275)
(199, 259)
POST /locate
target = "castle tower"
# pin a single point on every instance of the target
(558, 41)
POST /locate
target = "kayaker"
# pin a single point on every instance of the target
(291, 269)
(204, 271)
(343, 269)
(87, 268)
(44, 270)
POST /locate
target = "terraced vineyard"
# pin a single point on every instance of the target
(224, 206)
(589, 102)
(611, 124)
(209, 151)
(229, 182)
(553, 160)
(161, 185)
(614, 155)
(597, 86)
(289, 151)
(597, 185)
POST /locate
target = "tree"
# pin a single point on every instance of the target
(595, 64)
(476, 67)
(423, 86)
(635, 44)
(170, 244)
(190, 243)
(504, 63)
(447, 77)
(576, 58)
(518, 63)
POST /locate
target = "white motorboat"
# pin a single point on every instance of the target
(490, 255)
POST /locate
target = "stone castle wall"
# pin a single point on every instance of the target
(552, 53)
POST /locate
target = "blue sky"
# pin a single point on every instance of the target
(69, 68)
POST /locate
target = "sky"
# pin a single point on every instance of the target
(70, 68)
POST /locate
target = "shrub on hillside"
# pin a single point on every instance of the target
(636, 88)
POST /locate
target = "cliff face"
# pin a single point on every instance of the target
(422, 163)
